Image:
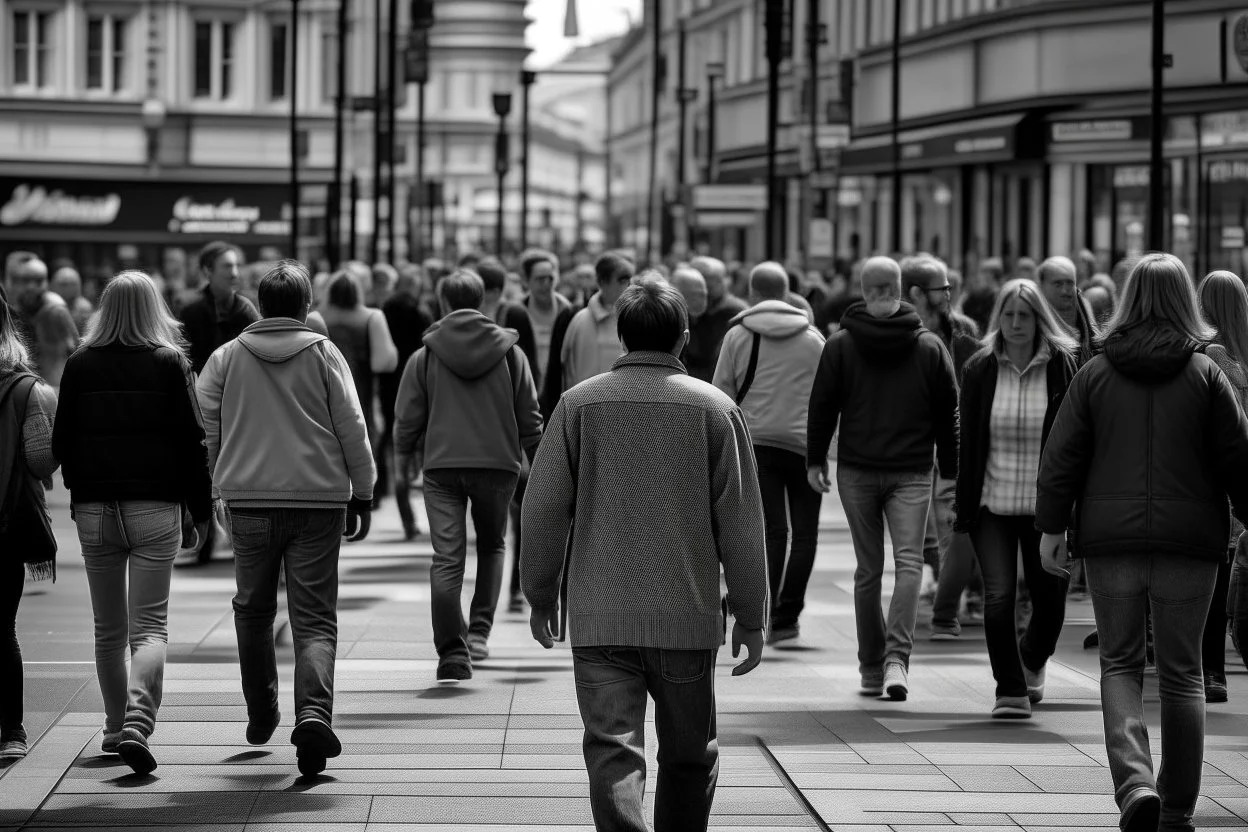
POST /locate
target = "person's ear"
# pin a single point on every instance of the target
(681, 342)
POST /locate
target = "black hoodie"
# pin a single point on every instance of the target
(891, 384)
(1149, 443)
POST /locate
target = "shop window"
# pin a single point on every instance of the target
(279, 61)
(32, 49)
(106, 53)
(214, 59)
(1227, 200)
(329, 66)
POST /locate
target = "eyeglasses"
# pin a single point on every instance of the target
(947, 288)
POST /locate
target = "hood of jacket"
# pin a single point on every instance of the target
(469, 343)
(883, 340)
(277, 340)
(773, 319)
(1150, 353)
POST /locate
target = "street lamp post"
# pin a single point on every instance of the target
(392, 106)
(714, 72)
(417, 72)
(294, 129)
(153, 121)
(502, 108)
(658, 76)
(333, 217)
(684, 98)
(895, 206)
(375, 244)
(1156, 167)
(527, 78)
(775, 56)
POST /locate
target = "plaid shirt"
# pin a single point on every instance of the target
(1014, 436)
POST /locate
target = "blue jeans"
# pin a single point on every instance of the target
(789, 503)
(1178, 590)
(128, 549)
(447, 494)
(12, 576)
(868, 497)
(611, 688)
(307, 541)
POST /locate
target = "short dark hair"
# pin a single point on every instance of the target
(534, 256)
(462, 289)
(492, 274)
(470, 260)
(285, 291)
(343, 292)
(651, 315)
(209, 254)
(920, 270)
(613, 267)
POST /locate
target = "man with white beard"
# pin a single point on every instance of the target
(890, 382)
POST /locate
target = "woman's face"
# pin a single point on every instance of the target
(1018, 322)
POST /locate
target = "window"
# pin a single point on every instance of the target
(214, 59)
(279, 34)
(106, 53)
(329, 65)
(32, 49)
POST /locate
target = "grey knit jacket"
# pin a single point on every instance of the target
(643, 485)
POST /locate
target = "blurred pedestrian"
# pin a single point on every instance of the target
(288, 451)
(767, 366)
(221, 314)
(67, 283)
(637, 537)
(384, 279)
(590, 345)
(706, 334)
(1149, 442)
(1011, 392)
(1057, 277)
(890, 383)
(692, 287)
(41, 317)
(467, 397)
(131, 445)
(27, 546)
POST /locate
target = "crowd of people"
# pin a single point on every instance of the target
(1022, 437)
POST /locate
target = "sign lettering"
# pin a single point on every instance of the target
(37, 204)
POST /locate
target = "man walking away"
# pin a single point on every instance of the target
(890, 383)
(767, 365)
(467, 397)
(289, 451)
(43, 319)
(650, 524)
(222, 313)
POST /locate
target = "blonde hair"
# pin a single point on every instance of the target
(1224, 303)
(1159, 290)
(132, 312)
(13, 352)
(1049, 329)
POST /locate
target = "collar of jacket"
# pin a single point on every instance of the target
(646, 358)
(598, 309)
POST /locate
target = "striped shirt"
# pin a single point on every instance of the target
(1015, 428)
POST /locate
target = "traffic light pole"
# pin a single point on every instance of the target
(392, 78)
(1157, 130)
(333, 213)
(294, 129)
(775, 48)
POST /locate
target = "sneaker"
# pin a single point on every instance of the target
(873, 683)
(478, 650)
(895, 681)
(1035, 684)
(1091, 640)
(13, 750)
(134, 751)
(260, 732)
(946, 632)
(517, 603)
(314, 743)
(1012, 707)
(454, 672)
(110, 742)
(783, 637)
(974, 610)
(1215, 687)
(1141, 811)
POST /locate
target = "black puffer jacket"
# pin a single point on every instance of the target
(1149, 443)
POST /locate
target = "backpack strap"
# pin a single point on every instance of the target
(750, 369)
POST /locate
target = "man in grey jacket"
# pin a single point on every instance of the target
(468, 397)
(651, 520)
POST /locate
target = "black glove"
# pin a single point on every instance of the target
(359, 519)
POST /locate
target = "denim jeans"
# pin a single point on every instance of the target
(128, 549)
(307, 542)
(447, 494)
(936, 539)
(1178, 590)
(998, 540)
(789, 503)
(1213, 642)
(611, 688)
(517, 502)
(959, 570)
(12, 576)
(868, 497)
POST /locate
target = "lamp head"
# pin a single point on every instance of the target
(715, 70)
(502, 104)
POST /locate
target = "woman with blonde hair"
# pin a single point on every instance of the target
(131, 443)
(1011, 391)
(1146, 449)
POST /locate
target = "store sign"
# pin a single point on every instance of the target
(1131, 176)
(36, 205)
(1239, 41)
(1233, 236)
(1229, 170)
(1093, 130)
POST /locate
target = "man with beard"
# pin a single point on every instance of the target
(42, 316)
(890, 383)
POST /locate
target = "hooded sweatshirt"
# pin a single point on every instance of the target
(1149, 444)
(890, 382)
(283, 422)
(468, 397)
(788, 356)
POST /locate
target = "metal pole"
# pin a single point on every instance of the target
(352, 219)
(375, 244)
(294, 129)
(774, 25)
(652, 254)
(682, 149)
(1157, 130)
(895, 206)
(580, 189)
(711, 117)
(421, 190)
(392, 82)
(526, 80)
(333, 216)
(500, 166)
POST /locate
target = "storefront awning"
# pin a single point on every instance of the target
(972, 142)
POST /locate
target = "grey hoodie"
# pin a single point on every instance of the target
(468, 396)
(788, 356)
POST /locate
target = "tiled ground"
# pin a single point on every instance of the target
(800, 748)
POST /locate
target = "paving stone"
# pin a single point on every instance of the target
(309, 806)
(1001, 779)
(528, 810)
(155, 808)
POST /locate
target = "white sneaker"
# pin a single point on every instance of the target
(1035, 684)
(895, 681)
(1012, 707)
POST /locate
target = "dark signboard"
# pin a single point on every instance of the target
(971, 146)
(180, 208)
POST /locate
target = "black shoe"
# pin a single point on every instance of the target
(260, 732)
(410, 533)
(134, 751)
(1093, 639)
(1142, 811)
(454, 672)
(1215, 687)
(314, 742)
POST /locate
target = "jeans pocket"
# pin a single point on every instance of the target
(147, 526)
(594, 668)
(89, 518)
(684, 666)
(249, 531)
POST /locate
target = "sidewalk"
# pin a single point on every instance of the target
(800, 748)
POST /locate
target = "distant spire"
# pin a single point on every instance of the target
(571, 26)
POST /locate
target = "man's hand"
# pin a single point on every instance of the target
(359, 519)
(817, 476)
(753, 641)
(544, 622)
(1053, 555)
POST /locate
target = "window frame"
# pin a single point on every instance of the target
(224, 31)
(40, 61)
(273, 24)
(115, 64)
